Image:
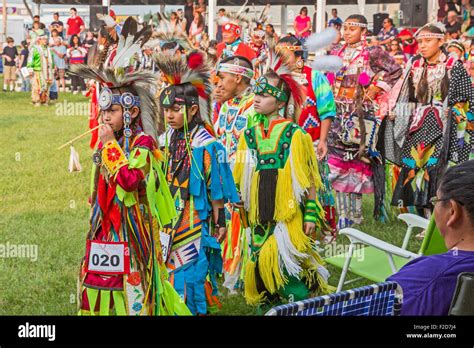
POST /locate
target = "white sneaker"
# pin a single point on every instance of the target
(75, 92)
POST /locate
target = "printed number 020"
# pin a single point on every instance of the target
(114, 260)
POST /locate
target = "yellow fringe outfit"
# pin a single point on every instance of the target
(274, 171)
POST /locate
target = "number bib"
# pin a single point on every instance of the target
(107, 257)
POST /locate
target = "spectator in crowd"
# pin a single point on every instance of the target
(75, 25)
(395, 47)
(189, 14)
(205, 42)
(56, 24)
(272, 36)
(452, 22)
(175, 22)
(335, 20)
(200, 7)
(77, 55)
(196, 29)
(26, 84)
(10, 54)
(33, 33)
(302, 26)
(428, 282)
(220, 14)
(387, 33)
(453, 33)
(59, 56)
(182, 20)
(410, 46)
(89, 41)
(54, 35)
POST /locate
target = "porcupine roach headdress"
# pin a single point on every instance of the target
(134, 87)
(278, 63)
(190, 70)
(260, 20)
(167, 33)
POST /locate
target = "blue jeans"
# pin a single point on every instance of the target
(26, 84)
(305, 49)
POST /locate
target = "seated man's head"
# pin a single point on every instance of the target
(454, 206)
(231, 81)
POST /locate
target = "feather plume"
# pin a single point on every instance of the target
(130, 42)
(318, 41)
(328, 63)
(108, 20)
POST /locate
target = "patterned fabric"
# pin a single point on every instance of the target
(426, 135)
(196, 176)
(383, 299)
(128, 207)
(349, 173)
(234, 117)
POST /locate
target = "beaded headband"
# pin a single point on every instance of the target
(261, 86)
(430, 36)
(259, 32)
(356, 24)
(290, 48)
(107, 98)
(235, 69)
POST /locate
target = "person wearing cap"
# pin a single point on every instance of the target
(41, 68)
(232, 44)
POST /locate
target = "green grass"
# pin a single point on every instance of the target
(41, 203)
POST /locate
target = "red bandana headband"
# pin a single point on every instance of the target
(232, 27)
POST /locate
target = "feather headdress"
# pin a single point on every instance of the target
(280, 65)
(236, 19)
(120, 73)
(177, 37)
(192, 69)
(319, 41)
(261, 19)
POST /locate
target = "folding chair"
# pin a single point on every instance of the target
(463, 299)
(379, 259)
(383, 299)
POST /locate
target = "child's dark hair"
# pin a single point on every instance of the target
(292, 41)
(457, 184)
(242, 61)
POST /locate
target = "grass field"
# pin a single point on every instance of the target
(42, 204)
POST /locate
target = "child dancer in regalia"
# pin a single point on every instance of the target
(318, 111)
(355, 162)
(200, 181)
(278, 177)
(433, 120)
(123, 272)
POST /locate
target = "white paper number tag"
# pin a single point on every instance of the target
(165, 245)
(108, 257)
